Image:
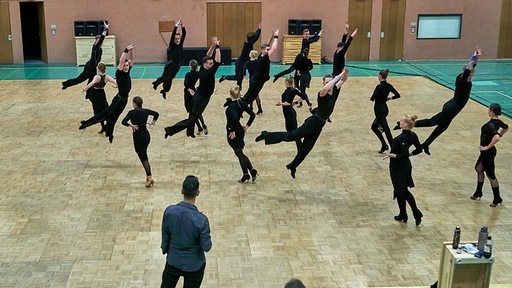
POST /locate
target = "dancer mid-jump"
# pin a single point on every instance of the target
(174, 55)
(310, 130)
(451, 108)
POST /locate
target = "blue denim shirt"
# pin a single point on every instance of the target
(185, 236)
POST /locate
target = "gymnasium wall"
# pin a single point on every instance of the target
(138, 21)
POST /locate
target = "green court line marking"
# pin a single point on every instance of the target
(15, 70)
(27, 78)
(143, 72)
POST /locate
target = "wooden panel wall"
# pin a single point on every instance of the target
(360, 16)
(5, 31)
(230, 21)
(505, 36)
(393, 18)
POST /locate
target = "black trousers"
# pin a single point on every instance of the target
(188, 123)
(239, 73)
(309, 132)
(170, 71)
(171, 275)
(87, 74)
(381, 112)
(441, 119)
(253, 92)
(110, 115)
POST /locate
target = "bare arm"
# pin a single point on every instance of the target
(217, 52)
(273, 48)
(338, 81)
(212, 47)
(128, 54)
(474, 58)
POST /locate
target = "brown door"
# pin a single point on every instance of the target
(360, 16)
(5, 34)
(230, 21)
(42, 31)
(505, 36)
(392, 30)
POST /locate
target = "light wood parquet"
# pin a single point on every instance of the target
(74, 211)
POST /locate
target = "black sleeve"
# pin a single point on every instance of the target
(416, 143)
(127, 118)
(255, 38)
(396, 95)
(153, 113)
(183, 35)
(174, 31)
(346, 45)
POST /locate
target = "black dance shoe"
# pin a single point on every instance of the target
(397, 127)
(254, 174)
(292, 170)
(383, 148)
(163, 94)
(82, 125)
(417, 217)
(262, 136)
(496, 202)
(401, 218)
(275, 79)
(167, 134)
(244, 178)
(64, 86)
(260, 111)
(222, 78)
(476, 196)
(110, 138)
(426, 149)
(155, 86)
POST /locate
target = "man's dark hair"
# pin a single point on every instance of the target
(190, 187)
(294, 283)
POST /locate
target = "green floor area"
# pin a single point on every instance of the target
(492, 82)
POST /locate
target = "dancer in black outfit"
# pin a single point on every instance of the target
(124, 85)
(250, 67)
(312, 127)
(235, 132)
(290, 115)
(97, 95)
(338, 62)
(307, 39)
(302, 65)
(262, 71)
(491, 133)
(400, 169)
(252, 37)
(90, 66)
(190, 87)
(174, 55)
(381, 96)
(201, 97)
(137, 120)
(451, 108)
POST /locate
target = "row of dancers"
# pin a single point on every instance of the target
(306, 135)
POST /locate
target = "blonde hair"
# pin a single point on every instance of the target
(235, 92)
(289, 81)
(253, 54)
(410, 120)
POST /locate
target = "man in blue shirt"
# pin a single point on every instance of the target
(185, 238)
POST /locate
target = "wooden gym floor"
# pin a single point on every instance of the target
(74, 211)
